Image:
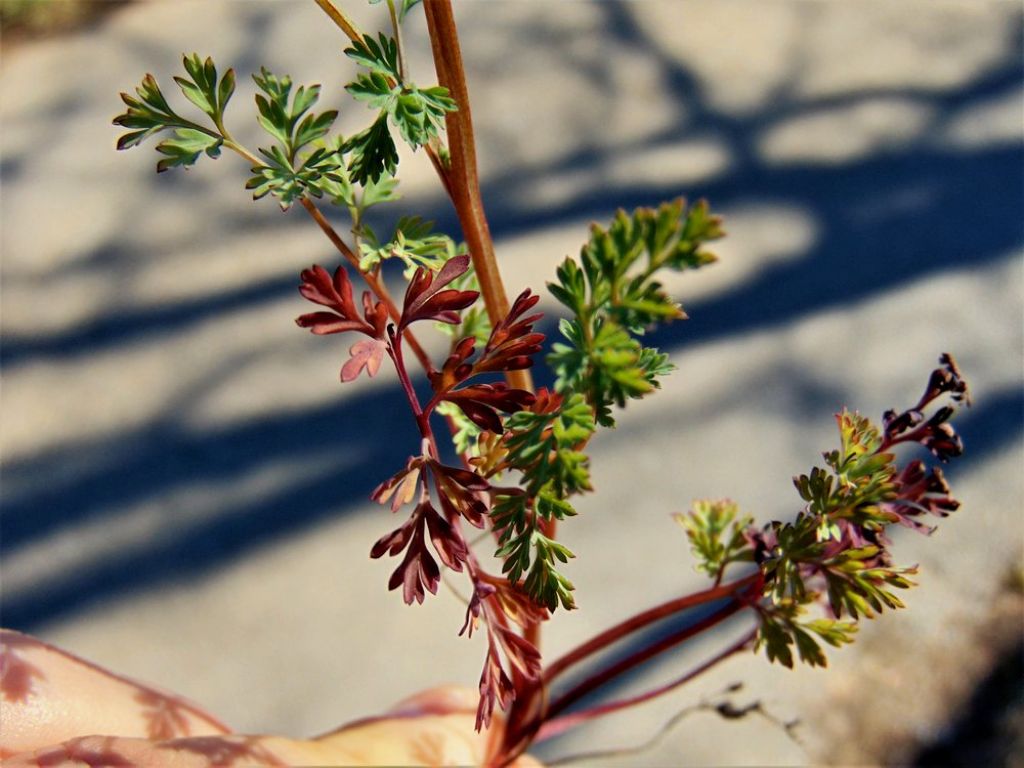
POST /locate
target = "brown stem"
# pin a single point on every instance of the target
(339, 18)
(378, 288)
(463, 179)
(462, 182)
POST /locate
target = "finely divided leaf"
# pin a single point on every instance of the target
(149, 113)
(186, 147)
(372, 153)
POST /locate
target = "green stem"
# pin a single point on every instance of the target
(378, 287)
(233, 145)
(353, 34)
(397, 29)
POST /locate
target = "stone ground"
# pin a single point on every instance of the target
(184, 481)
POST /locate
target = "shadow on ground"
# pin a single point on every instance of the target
(963, 211)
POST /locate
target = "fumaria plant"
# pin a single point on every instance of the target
(518, 454)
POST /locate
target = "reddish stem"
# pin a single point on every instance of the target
(610, 673)
(462, 182)
(641, 620)
(561, 724)
(461, 179)
(395, 348)
(526, 718)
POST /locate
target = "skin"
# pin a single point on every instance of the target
(59, 710)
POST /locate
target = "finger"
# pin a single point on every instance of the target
(426, 740)
(443, 700)
(434, 727)
(432, 741)
(50, 696)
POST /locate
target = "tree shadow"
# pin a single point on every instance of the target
(989, 728)
(963, 212)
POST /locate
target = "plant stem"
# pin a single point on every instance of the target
(464, 183)
(353, 34)
(561, 724)
(339, 18)
(403, 376)
(233, 145)
(643, 619)
(378, 288)
(523, 731)
(635, 659)
(396, 28)
(526, 719)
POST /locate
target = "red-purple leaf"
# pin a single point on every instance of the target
(481, 403)
(455, 369)
(418, 572)
(483, 416)
(402, 485)
(919, 491)
(471, 481)
(444, 306)
(457, 489)
(453, 268)
(447, 543)
(393, 542)
(323, 323)
(336, 293)
(519, 606)
(520, 652)
(366, 353)
(375, 314)
(456, 502)
(481, 591)
(512, 343)
(318, 286)
(495, 688)
(417, 575)
(425, 299)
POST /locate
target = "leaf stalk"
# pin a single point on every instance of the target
(378, 287)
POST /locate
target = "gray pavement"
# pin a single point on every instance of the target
(184, 481)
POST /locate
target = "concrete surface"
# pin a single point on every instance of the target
(184, 481)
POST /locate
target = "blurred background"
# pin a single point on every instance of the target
(184, 481)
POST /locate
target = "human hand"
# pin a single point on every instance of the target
(62, 710)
